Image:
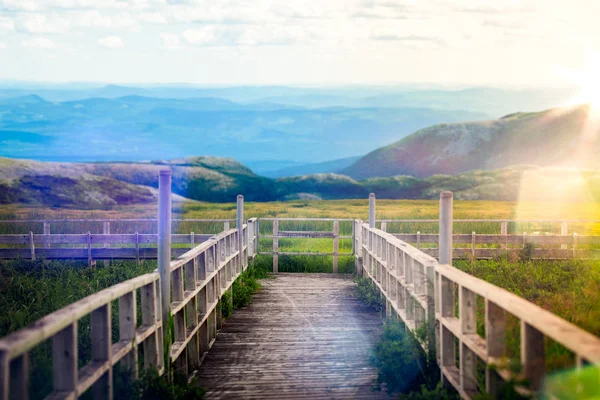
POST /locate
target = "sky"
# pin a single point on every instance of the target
(297, 42)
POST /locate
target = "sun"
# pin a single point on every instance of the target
(588, 81)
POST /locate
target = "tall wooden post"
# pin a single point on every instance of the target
(444, 298)
(164, 241)
(445, 252)
(372, 210)
(240, 228)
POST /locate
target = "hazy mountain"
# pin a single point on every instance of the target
(135, 128)
(557, 137)
(487, 100)
(332, 166)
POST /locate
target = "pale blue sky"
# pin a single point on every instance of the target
(296, 41)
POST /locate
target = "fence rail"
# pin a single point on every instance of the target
(419, 289)
(197, 278)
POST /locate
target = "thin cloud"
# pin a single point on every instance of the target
(111, 42)
(39, 43)
(407, 38)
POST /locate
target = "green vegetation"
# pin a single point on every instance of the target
(569, 289)
(151, 386)
(367, 292)
(404, 368)
(30, 290)
(102, 186)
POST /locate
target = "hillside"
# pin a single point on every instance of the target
(97, 185)
(102, 186)
(556, 137)
(332, 166)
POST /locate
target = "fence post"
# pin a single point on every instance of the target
(275, 246)
(47, 232)
(32, 246)
(240, 227)
(106, 231)
(164, 241)
(445, 256)
(372, 210)
(564, 231)
(336, 233)
(504, 232)
(384, 226)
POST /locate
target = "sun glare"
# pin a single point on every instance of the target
(588, 81)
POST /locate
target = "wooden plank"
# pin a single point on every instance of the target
(316, 344)
(64, 359)
(305, 234)
(127, 330)
(149, 316)
(101, 350)
(532, 355)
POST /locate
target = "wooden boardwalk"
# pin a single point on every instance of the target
(305, 336)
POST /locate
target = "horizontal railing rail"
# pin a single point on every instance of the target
(199, 277)
(422, 292)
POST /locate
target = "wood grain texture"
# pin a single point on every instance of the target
(303, 337)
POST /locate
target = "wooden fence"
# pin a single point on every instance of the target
(197, 278)
(304, 234)
(418, 289)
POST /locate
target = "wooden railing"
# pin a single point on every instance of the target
(198, 279)
(304, 234)
(418, 289)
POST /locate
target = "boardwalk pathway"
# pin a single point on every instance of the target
(305, 336)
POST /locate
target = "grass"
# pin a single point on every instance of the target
(570, 289)
(30, 290)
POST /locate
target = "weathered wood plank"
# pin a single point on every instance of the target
(315, 345)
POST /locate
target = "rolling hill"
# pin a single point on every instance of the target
(557, 137)
(105, 185)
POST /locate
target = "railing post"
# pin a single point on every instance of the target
(336, 233)
(164, 242)
(275, 246)
(106, 231)
(445, 250)
(372, 210)
(240, 228)
(564, 231)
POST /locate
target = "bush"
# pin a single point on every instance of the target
(401, 363)
(151, 386)
(368, 293)
(437, 393)
(527, 252)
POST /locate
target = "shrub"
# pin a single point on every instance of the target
(401, 363)
(527, 252)
(368, 293)
(151, 386)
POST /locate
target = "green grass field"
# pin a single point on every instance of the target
(570, 289)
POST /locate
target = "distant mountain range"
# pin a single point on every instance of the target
(487, 100)
(567, 137)
(135, 128)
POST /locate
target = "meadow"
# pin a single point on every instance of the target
(570, 289)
